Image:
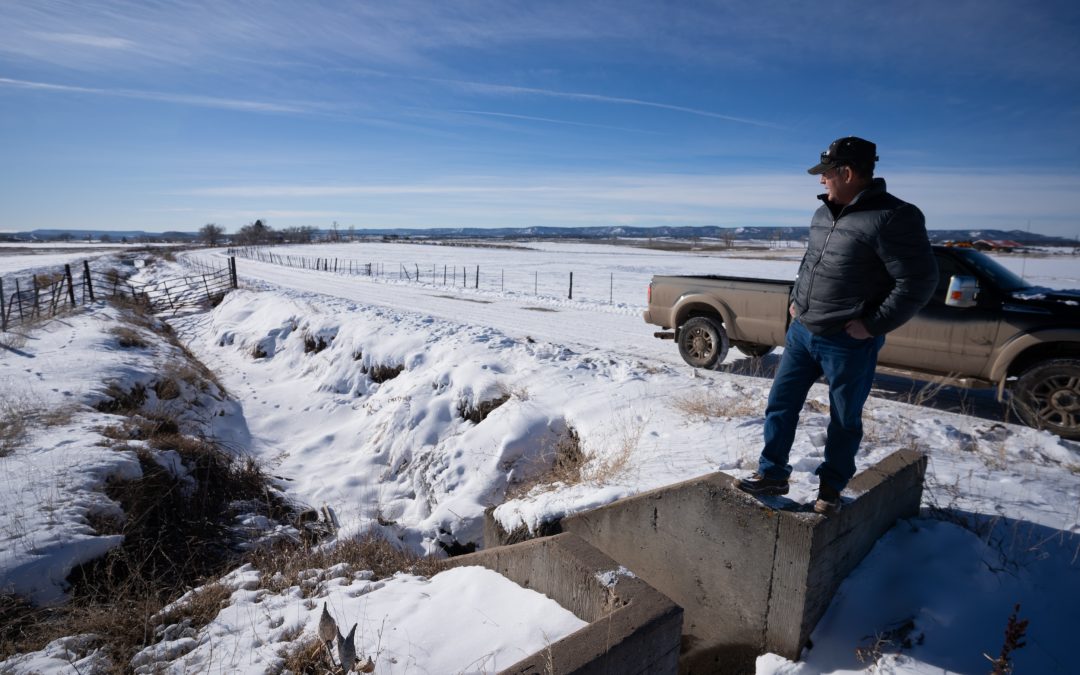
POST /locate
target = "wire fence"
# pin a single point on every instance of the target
(594, 287)
(29, 299)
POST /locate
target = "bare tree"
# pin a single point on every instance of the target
(729, 237)
(254, 234)
(211, 234)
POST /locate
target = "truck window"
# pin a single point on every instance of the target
(989, 268)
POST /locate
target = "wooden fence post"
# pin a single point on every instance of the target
(476, 284)
(71, 286)
(571, 296)
(18, 296)
(37, 308)
(232, 273)
(86, 280)
(3, 307)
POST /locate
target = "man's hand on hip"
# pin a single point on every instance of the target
(857, 329)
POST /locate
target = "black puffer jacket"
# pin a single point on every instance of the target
(869, 260)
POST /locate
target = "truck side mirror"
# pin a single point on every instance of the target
(962, 291)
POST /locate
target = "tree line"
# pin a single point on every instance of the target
(260, 232)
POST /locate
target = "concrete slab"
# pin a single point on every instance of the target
(632, 628)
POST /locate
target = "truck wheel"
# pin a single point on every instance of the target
(754, 349)
(703, 342)
(1047, 396)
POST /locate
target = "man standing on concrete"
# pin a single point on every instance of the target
(868, 268)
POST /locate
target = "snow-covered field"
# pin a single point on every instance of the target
(307, 358)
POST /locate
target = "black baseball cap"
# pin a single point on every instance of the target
(847, 151)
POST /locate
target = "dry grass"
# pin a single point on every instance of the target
(307, 657)
(198, 608)
(567, 463)
(19, 414)
(287, 564)
(176, 535)
(706, 405)
(167, 389)
(12, 425)
(122, 402)
(128, 338)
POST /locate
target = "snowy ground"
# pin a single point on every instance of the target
(301, 352)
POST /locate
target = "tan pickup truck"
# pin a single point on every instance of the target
(984, 327)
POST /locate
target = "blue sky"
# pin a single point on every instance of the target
(168, 115)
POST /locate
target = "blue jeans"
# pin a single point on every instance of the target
(848, 366)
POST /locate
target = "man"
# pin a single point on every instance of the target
(868, 268)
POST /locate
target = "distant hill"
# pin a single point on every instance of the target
(601, 232)
(96, 235)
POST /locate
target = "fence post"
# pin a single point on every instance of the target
(86, 278)
(232, 273)
(168, 296)
(3, 307)
(444, 275)
(571, 296)
(476, 284)
(417, 266)
(37, 307)
(18, 296)
(71, 286)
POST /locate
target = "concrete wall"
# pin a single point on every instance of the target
(749, 577)
(632, 627)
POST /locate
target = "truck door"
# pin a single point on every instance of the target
(947, 339)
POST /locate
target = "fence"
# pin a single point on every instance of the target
(600, 288)
(46, 295)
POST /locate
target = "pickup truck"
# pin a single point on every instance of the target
(984, 327)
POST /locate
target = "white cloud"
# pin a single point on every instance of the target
(599, 98)
(98, 41)
(166, 97)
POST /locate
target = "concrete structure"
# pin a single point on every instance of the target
(633, 629)
(751, 576)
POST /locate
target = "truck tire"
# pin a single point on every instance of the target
(753, 349)
(703, 342)
(1047, 396)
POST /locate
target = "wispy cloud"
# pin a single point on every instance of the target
(166, 97)
(533, 118)
(502, 89)
(80, 39)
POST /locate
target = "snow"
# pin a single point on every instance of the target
(401, 622)
(297, 350)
